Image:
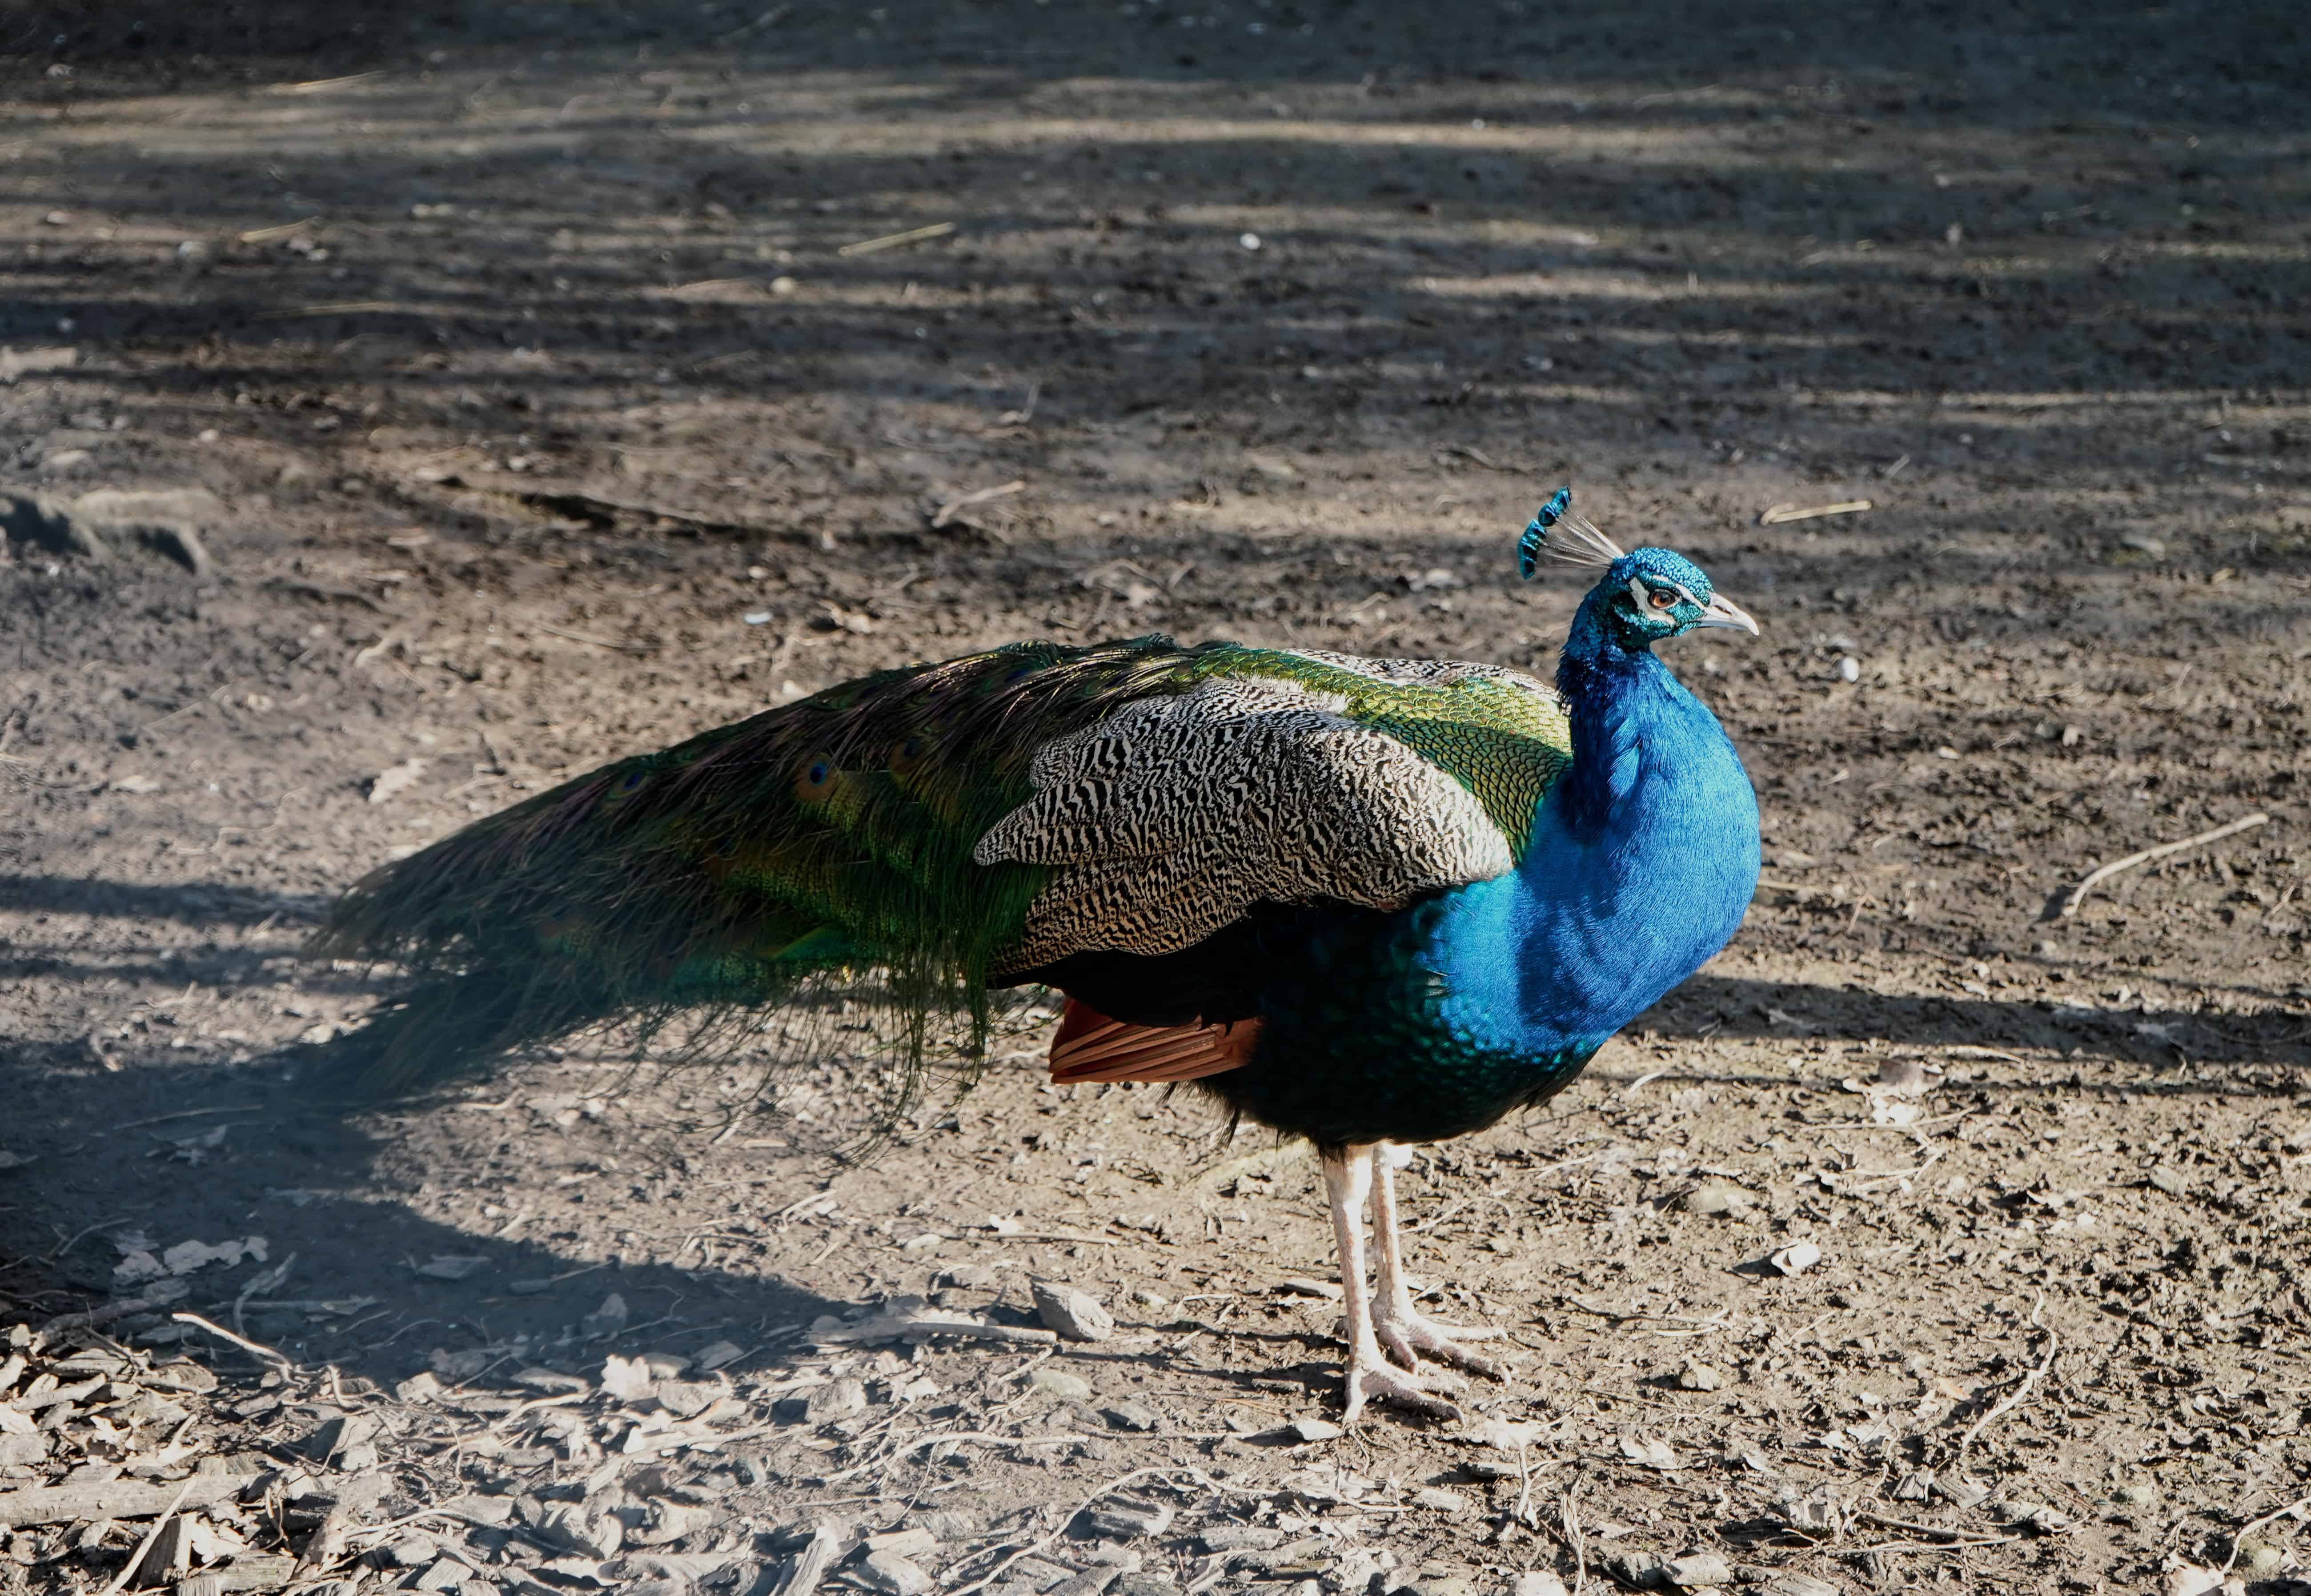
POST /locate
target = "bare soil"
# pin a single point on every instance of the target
(558, 414)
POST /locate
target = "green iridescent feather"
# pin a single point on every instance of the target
(832, 836)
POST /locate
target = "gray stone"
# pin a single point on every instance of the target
(168, 522)
(1036, 1573)
(1697, 1375)
(1091, 1582)
(1125, 1519)
(1438, 1584)
(1059, 1383)
(894, 1574)
(912, 1542)
(608, 1320)
(687, 1398)
(1720, 1199)
(1640, 1571)
(1697, 1570)
(589, 1535)
(1242, 1538)
(1354, 1574)
(411, 1551)
(1801, 1584)
(822, 1404)
(1075, 1314)
(1143, 1584)
(1133, 1416)
(1305, 1430)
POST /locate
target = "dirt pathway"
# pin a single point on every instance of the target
(570, 379)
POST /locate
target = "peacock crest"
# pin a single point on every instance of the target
(1554, 533)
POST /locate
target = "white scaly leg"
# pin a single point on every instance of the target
(1395, 1323)
(1347, 1181)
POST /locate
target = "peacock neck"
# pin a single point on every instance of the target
(1643, 858)
(1613, 692)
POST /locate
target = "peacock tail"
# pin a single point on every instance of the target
(927, 832)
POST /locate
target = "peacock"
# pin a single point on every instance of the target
(1368, 902)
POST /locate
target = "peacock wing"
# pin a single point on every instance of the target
(1276, 777)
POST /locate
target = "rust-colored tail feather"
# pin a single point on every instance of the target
(1091, 1047)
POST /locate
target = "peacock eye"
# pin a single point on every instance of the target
(1662, 600)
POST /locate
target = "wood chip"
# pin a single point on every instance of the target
(112, 1499)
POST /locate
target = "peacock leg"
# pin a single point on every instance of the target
(1371, 1377)
(1395, 1323)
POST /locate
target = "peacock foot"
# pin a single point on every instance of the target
(1410, 1335)
(1415, 1390)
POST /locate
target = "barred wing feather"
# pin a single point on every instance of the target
(1280, 778)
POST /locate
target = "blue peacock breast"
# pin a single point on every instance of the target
(1597, 923)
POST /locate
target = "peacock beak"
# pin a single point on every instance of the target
(1723, 613)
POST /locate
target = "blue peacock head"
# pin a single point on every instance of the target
(1642, 597)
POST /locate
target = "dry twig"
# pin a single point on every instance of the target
(1806, 512)
(2245, 823)
(2291, 1510)
(258, 1348)
(892, 240)
(2018, 1396)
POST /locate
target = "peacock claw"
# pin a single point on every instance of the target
(1415, 1390)
(1408, 1336)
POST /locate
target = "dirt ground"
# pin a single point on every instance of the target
(558, 402)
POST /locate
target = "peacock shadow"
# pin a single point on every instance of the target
(158, 1154)
(171, 1147)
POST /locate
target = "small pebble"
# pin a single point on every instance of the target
(1698, 1570)
(1796, 1257)
(1059, 1383)
(1125, 1520)
(894, 1574)
(411, 1551)
(1078, 1315)
(1133, 1416)
(1718, 1197)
